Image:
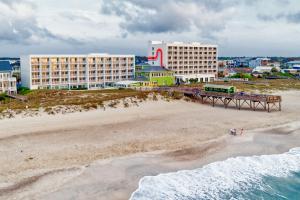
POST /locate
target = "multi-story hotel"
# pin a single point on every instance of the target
(188, 60)
(75, 71)
(8, 84)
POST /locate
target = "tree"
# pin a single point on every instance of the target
(220, 74)
(274, 70)
(193, 80)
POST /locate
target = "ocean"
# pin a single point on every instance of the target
(257, 177)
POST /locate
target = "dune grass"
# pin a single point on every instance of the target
(51, 98)
(94, 98)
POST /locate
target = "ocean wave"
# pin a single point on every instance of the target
(229, 179)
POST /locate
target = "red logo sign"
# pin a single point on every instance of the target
(158, 51)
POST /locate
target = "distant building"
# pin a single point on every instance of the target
(293, 67)
(187, 60)
(229, 72)
(8, 84)
(274, 64)
(16, 66)
(151, 76)
(263, 69)
(293, 64)
(241, 62)
(233, 71)
(226, 63)
(75, 71)
(291, 71)
(259, 62)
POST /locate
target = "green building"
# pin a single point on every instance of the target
(152, 76)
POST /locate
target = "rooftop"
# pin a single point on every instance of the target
(182, 43)
(150, 68)
(294, 62)
(5, 65)
(80, 55)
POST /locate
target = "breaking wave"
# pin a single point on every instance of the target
(256, 177)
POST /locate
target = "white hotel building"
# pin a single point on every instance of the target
(8, 83)
(187, 60)
(75, 71)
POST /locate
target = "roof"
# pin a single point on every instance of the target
(218, 86)
(150, 68)
(184, 44)
(141, 78)
(294, 62)
(263, 59)
(5, 65)
(80, 55)
(263, 67)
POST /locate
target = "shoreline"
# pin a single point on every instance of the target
(103, 155)
(121, 176)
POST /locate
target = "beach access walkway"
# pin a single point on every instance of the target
(238, 100)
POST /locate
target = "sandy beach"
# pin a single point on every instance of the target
(103, 154)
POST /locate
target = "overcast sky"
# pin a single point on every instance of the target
(239, 27)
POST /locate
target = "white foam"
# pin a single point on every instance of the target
(218, 179)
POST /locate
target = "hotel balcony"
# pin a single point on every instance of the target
(35, 69)
(35, 76)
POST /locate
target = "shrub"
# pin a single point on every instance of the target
(3, 97)
(126, 105)
(113, 104)
(23, 90)
(89, 106)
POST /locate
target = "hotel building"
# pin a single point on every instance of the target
(8, 84)
(188, 60)
(75, 71)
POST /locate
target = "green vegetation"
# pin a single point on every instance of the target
(274, 70)
(242, 75)
(23, 90)
(86, 99)
(280, 74)
(193, 80)
(91, 99)
(3, 98)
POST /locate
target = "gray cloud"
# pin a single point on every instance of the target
(291, 17)
(171, 16)
(18, 24)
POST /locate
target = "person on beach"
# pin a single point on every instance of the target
(242, 130)
(233, 131)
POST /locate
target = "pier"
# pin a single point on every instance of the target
(238, 100)
(18, 97)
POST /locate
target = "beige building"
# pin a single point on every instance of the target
(8, 84)
(188, 60)
(75, 71)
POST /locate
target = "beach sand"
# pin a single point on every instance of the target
(103, 154)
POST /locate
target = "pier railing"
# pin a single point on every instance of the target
(238, 100)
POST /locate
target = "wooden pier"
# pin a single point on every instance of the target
(237, 100)
(18, 97)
